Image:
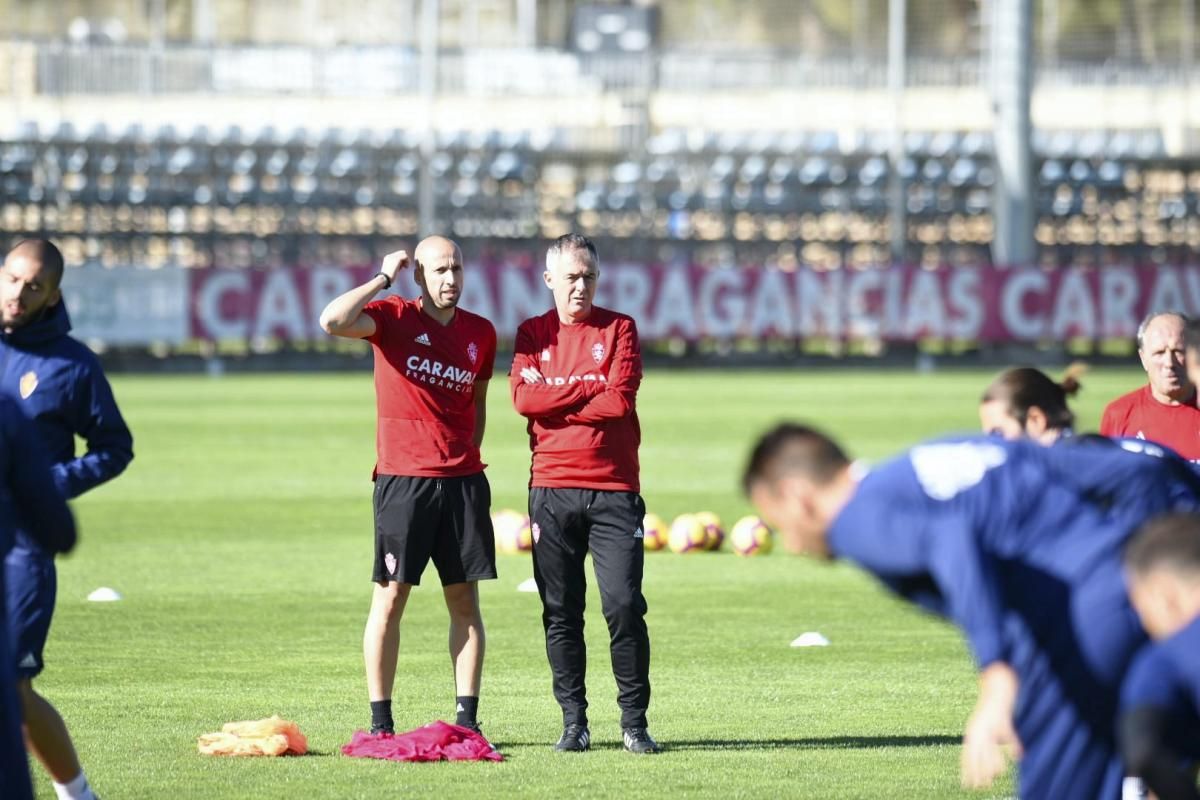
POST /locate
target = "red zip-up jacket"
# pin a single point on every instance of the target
(583, 424)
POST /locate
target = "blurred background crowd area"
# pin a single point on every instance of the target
(232, 133)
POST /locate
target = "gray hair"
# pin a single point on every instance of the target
(574, 243)
(1153, 315)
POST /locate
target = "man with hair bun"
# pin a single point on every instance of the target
(1024, 401)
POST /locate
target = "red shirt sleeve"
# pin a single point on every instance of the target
(539, 400)
(383, 312)
(618, 398)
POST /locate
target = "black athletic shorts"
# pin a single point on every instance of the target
(446, 519)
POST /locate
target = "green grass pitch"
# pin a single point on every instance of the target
(240, 538)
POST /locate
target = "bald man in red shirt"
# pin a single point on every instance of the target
(1164, 410)
(433, 361)
(575, 376)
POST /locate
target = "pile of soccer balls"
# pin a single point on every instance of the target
(513, 534)
(689, 533)
(702, 532)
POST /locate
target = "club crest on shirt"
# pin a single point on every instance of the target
(546, 354)
(598, 352)
(472, 352)
(29, 382)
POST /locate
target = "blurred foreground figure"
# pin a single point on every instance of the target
(1020, 546)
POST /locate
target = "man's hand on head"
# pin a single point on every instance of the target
(393, 263)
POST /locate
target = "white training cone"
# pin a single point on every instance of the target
(810, 639)
(104, 595)
(527, 585)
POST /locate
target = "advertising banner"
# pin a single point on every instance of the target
(128, 305)
(899, 303)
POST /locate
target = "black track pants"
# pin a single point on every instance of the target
(567, 523)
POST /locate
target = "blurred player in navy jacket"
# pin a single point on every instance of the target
(1160, 701)
(30, 501)
(1019, 545)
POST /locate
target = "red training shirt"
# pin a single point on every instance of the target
(1139, 415)
(583, 424)
(425, 375)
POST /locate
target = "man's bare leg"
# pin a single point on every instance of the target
(47, 738)
(381, 648)
(466, 648)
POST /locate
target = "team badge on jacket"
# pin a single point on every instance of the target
(472, 352)
(29, 382)
(598, 352)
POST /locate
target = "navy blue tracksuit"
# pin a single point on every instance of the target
(29, 500)
(1160, 707)
(1020, 545)
(58, 383)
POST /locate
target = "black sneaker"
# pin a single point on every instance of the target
(390, 730)
(472, 726)
(638, 740)
(575, 739)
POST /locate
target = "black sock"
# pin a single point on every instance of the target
(467, 708)
(381, 716)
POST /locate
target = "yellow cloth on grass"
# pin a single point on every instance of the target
(261, 737)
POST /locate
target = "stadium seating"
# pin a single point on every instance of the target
(237, 197)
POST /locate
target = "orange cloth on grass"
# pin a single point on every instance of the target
(261, 737)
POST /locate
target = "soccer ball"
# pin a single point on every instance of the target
(654, 532)
(512, 531)
(712, 528)
(687, 535)
(750, 536)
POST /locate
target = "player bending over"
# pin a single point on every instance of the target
(1020, 546)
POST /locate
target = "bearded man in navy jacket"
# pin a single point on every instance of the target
(59, 385)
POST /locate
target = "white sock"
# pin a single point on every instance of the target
(76, 789)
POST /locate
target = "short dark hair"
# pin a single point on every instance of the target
(573, 243)
(45, 253)
(1023, 388)
(1170, 541)
(1153, 315)
(792, 448)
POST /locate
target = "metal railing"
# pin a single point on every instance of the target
(64, 69)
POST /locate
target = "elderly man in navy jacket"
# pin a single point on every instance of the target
(58, 384)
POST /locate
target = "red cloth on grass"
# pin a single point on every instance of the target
(433, 742)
